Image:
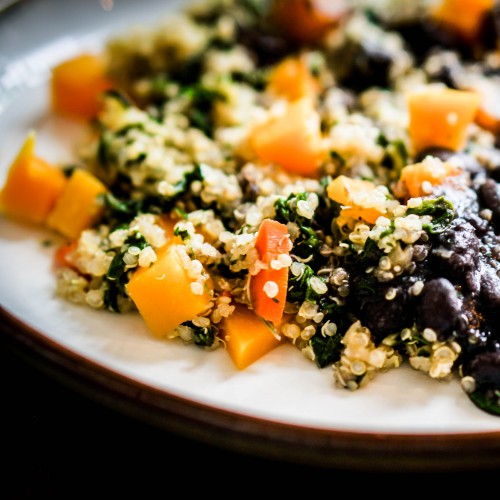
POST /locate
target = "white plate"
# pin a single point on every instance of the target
(280, 395)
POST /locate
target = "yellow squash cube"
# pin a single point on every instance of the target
(78, 206)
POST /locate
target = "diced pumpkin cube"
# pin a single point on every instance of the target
(431, 171)
(359, 199)
(342, 189)
(463, 17)
(77, 85)
(78, 206)
(369, 215)
(247, 337)
(32, 185)
(440, 117)
(164, 293)
(292, 79)
(291, 139)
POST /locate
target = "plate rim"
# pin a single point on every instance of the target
(247, 434)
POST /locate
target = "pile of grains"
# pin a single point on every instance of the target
(418, 284)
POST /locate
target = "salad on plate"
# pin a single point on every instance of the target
(313, 172)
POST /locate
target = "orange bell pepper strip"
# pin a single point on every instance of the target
(268, 288)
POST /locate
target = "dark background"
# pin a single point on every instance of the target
(58, 443)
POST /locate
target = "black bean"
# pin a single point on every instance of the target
(267, 47)
(490, 196)
(383, 317)
(484, 368)
(456, 254)
(421, 37)
(466, 205)
(490, 29)
(249, 187)
(443, 154)
(494, 172)
(439, 307)
(366, 65)
(490, 287)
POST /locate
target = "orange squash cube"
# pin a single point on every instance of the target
(292, 139)
(163, 293)
(247, 337)
(77, 85)
(464, 17)
(345, 191)
(292, 79)
(440, 117)
(432, 171)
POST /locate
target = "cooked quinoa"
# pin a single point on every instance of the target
(419, 284)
